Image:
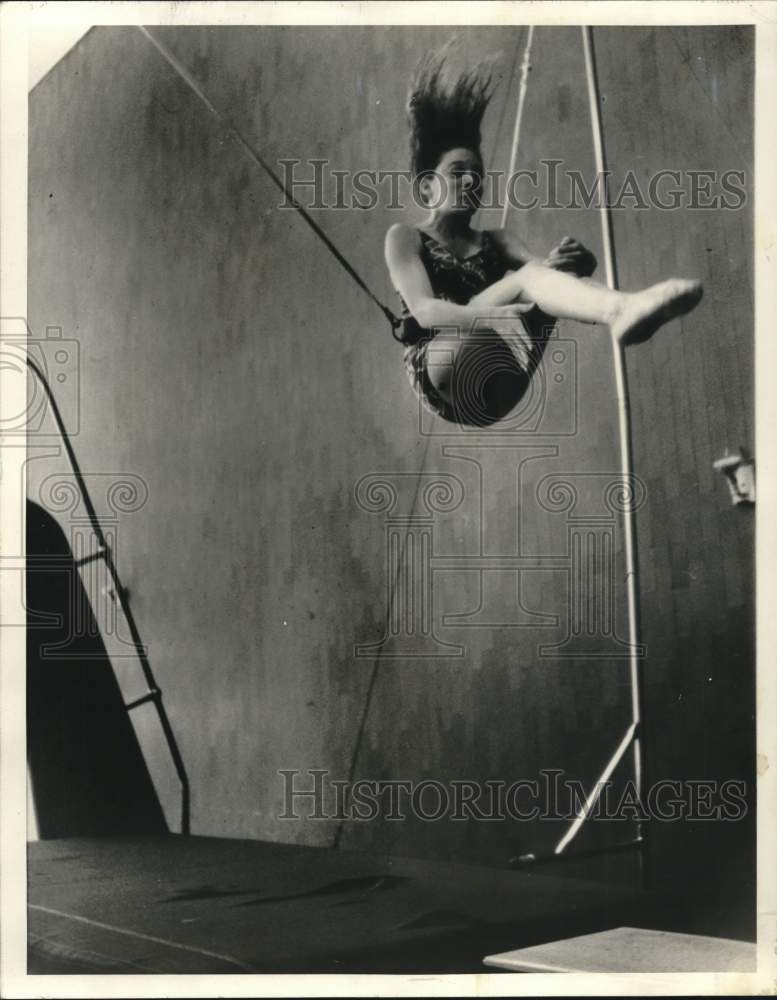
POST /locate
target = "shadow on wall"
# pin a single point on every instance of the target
(87, 772)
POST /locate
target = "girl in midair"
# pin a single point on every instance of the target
(480, 296)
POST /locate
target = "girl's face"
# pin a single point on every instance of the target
(455, 184)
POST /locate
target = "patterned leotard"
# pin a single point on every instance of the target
(454, 279)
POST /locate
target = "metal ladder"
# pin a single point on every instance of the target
(118, 594)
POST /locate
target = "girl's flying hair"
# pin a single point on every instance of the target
(444, 113)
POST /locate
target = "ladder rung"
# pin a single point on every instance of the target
(152, 695)
(97, 554)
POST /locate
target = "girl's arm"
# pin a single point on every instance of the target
(402, 249)
(569, 255)
(514, 250)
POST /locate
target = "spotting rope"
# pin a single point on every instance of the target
(231, 130)
(523, 87)
(636, 672)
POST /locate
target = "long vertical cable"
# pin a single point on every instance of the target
(340, 828)
(624, 425)
(523, 87)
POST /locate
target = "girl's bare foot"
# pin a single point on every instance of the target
(642, 313)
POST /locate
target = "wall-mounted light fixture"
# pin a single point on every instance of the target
(739, 470)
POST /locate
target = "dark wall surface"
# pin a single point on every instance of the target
(230, 364)
(85, 765)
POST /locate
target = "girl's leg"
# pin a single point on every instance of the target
(478, 374)
(631, 316)
(569, 296)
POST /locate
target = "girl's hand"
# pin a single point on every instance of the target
(570, 255)
(506, 321)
